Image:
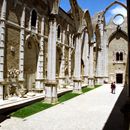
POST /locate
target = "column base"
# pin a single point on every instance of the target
(51, 92)
(101, 80)
(51, 100)
(77, 91)
(85, 80)
(39, 86)
(62, 83)
(77, 86)
(91, 82)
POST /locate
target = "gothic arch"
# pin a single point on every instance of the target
(87, 18)
(33, 17)
(117, 34)
(114, 3)
(31, 51)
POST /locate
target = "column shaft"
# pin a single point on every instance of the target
(86, 58)
(2, 44)
(77, 71)
(91, 71)
(51, 84)
(62, 65)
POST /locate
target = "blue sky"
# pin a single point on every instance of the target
(95, 6)
(92, 5)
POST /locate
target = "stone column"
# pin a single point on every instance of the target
(99, 67)
(86, 58)
(30, 26)
(2, 44)
(105, 46)
(21, 49)
(100, 60)
(91, 71)
(69, 57)
(39, 74)
(77, 70)
(62, 66)
(51, 83)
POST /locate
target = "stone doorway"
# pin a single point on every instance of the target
(119, 78)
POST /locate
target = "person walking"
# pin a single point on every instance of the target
(113, 87)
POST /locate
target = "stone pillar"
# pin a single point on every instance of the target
(2, 44)
(51, 83)
(99, 68)
(91, 71)
(77, 70)
(21, 49)
(39, 74)
(62, 66)
(86, 58)
(69, 57)
(30, 26)
(101, 53)
(105, 46)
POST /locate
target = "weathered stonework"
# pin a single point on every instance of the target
(52, 48)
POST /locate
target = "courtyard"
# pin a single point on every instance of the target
(89, 111)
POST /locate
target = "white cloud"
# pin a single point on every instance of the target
(119, 10)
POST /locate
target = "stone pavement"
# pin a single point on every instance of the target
(88, 111)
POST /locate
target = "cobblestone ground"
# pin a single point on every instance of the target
(88, 111)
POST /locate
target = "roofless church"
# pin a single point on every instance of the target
(43, 48)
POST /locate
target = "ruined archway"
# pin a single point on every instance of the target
(112, 4)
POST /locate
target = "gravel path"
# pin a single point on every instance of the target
(88, 111)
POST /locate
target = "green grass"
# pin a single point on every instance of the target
(40, 106)
(67, 96)
(84, 90)
(31, 109)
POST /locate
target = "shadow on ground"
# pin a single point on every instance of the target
(116, 120)
(4, 117)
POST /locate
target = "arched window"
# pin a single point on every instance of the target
(117, 56)
(33, 18)
(121, 56)
(58, 32)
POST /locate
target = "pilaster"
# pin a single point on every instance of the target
(2, 44)
(39, 74)
(21, 49)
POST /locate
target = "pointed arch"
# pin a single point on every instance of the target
(77, 13)
(115, 34)
(87, 18)
(33, 17)
(114, 3)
